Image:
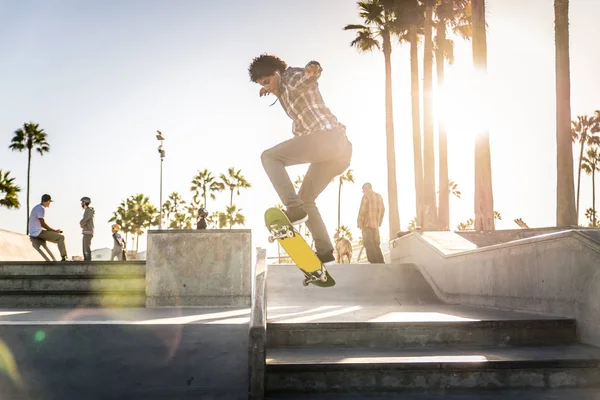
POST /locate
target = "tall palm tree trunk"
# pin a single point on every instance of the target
(416, 122)
(231, 198)
(28, 183)
(443, 190)
(579, 179)
(429, 198)
(394, 217)
(339, 202)
(565, 197)
(484, 198)
(594, 195)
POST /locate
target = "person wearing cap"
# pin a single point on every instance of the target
(38, 228)
(87, 226)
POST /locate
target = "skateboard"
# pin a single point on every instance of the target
(294, 244)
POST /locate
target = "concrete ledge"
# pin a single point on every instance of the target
(199, 268)
(258, 330)
(555, 274)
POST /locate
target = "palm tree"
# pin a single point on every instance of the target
(298, 182)
(453, 188)
(204, 184)
(10, 190)
(590, 164)
(29, 137)
(379, 23)
(342, 232)
(583, 131)
(484, 197)
(143, 215)
(590, 214)
(453, 13)
(467, 225)
(235, 181)
(122, 217)
(173, 206)
(347, 177)
(409, 15)
(231, 217)
(566, 213)
(429, 200)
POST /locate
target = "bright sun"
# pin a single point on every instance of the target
(462, 104)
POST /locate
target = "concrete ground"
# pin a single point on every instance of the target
(555, 394)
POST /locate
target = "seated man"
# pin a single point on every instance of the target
(38, 228)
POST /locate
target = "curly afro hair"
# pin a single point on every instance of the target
(265, 65)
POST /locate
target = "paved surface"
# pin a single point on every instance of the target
(554, 394)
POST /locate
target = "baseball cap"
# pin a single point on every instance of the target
(46, 198)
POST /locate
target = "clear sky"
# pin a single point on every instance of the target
(102, 77)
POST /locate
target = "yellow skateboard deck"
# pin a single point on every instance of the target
(294, 244)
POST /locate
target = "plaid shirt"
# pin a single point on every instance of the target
(371, 211)
(302, 102)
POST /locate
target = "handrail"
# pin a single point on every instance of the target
(257, 334)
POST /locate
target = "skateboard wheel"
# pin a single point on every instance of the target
(323, 278)
(305, 283)
(271, 239)
(290, 234)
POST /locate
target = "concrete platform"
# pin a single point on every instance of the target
(100, 353)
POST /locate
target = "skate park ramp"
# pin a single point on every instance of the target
(555, 273)
(369, 284)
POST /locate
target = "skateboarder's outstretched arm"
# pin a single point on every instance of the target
(302, 78)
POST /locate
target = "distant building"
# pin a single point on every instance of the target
(101, 254)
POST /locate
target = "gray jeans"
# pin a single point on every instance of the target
(87, 247)
(329, 154)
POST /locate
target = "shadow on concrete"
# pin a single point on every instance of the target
(42, 247)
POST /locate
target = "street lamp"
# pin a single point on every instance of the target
(162, 153)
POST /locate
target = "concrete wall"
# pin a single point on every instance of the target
(199, 268)
(556, 274)
(18, 247)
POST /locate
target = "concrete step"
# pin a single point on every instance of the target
(73, 268)
(86, 283)
(431, 368)
(521, 394)
(381, 334)
(64, 298)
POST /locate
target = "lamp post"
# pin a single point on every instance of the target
(162, 153)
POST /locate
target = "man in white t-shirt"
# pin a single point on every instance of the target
(38, 228)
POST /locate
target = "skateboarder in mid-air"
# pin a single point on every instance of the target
(319, 140)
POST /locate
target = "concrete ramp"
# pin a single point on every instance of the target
(556, 273)
(18, 247)
(365, 284)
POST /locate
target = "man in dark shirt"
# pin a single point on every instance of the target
(202, 214)
(319, 139)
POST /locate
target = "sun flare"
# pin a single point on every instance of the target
(463, 105)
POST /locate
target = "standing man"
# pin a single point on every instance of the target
(87, 226)
(319, 140)
(38, 228)
(370, 218)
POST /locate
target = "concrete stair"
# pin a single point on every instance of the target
(403, 357)
(70, 284)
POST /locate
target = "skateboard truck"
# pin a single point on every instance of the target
(316, 276)
(280, 233)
